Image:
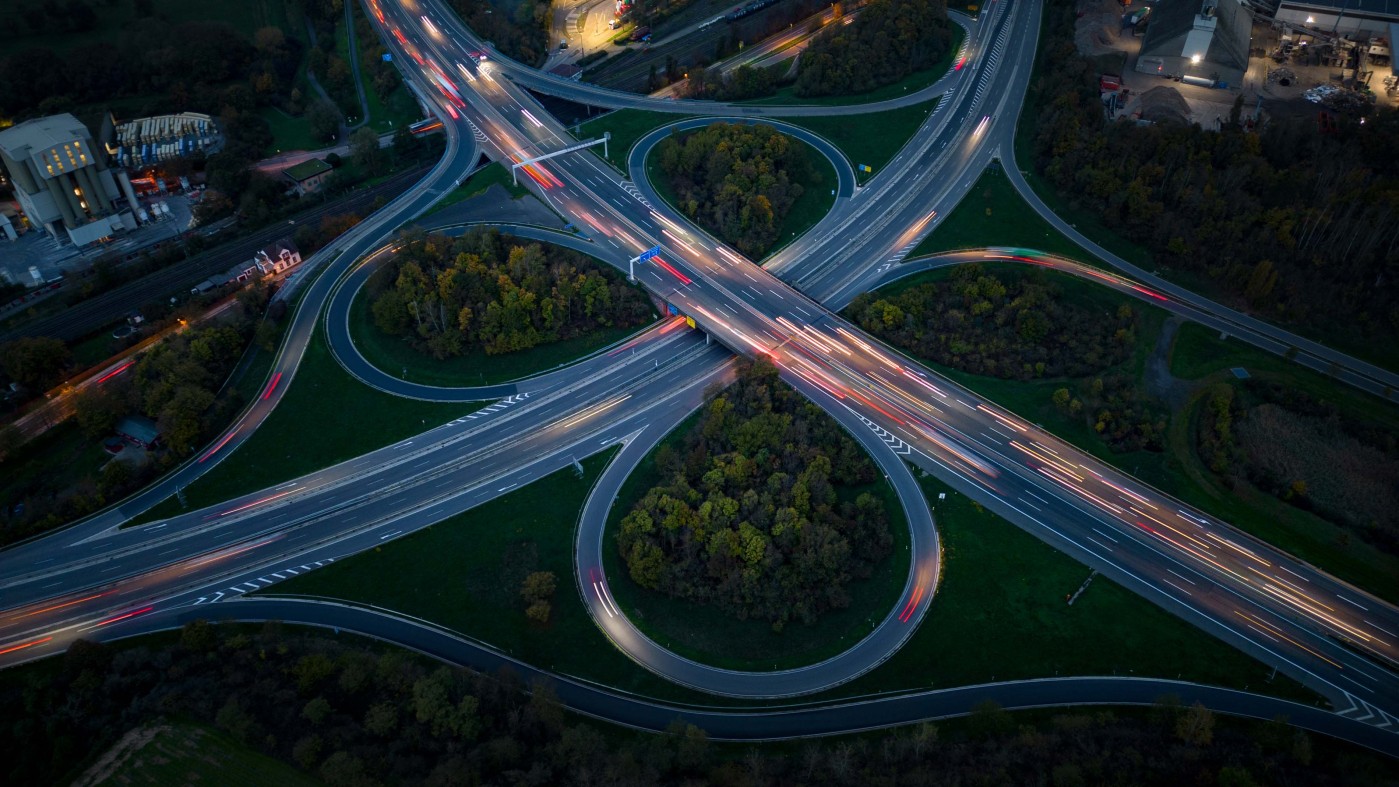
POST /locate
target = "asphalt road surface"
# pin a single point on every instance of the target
(91, 579)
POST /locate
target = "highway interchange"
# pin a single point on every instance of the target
(96, 580)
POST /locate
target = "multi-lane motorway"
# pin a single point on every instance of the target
(90, 579)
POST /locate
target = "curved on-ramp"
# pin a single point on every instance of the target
(882, 642)
(761, 724)
(339, 335)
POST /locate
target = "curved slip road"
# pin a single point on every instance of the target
(766, 724)
(891, 633)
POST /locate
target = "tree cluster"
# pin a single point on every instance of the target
(489, 292)
(1306, 452)
(538, 593)
(743, 83)
(889, 40)
(1007, 324)
(750, 516)
(1290, 222)
(359, 716)
(738, 181)
(1119, 412)
(176, 383)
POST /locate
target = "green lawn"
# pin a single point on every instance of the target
(325, 417)
(1000, 614)
(477, 561)
(871, 139)
(994, 214)
(712, 636)
(1178, 470)
(911, 83)
(626, 126)
(290, 133)
(815, 202)
(482, 179)
(193, 754)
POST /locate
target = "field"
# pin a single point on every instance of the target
(188, 754)
(998, 614)
(994, 214)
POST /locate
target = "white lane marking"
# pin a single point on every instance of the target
(390, 535)
(1028, 503)
(1177, 587)
(506, 488)
(1352, 603)
(1104, 535)
(1099, 543)
(1182, 577)
(1387, 631)
(157, 527)
(1293, 573)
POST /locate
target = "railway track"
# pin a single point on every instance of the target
(91, 315)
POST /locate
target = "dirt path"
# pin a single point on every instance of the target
(130, 743)
(1159, 380)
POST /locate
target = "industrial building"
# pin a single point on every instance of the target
(1340, 17)
(62, 181)
(152, 140)
(1202, 41)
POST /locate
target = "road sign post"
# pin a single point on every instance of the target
(642, 257)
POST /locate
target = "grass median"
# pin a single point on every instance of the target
(1000, 614)
(994, 214)
(466, 571)
(325, 417)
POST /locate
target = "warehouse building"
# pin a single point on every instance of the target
(1202, 40)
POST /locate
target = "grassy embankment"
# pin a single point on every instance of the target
(871, 139)
(325, 417)
(999, 613)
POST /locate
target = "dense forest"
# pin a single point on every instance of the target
(178, 383)
(889, 40)
(488, 292)
(1297, 225)
(358, 716)
(750, 515)
(737, 181)
(1007, 324)
(1306, 452)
